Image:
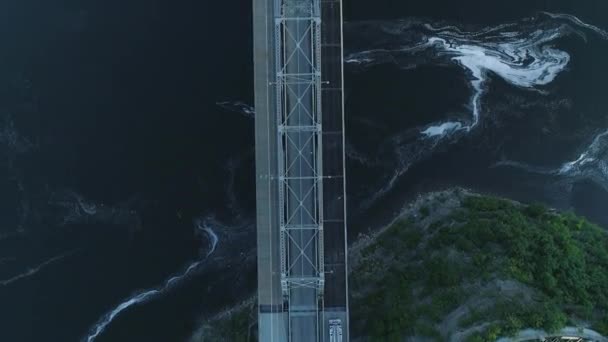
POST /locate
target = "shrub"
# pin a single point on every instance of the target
(425, 211)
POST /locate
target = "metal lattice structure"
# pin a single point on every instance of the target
(300, 183)
(299, 134)
(564, 338)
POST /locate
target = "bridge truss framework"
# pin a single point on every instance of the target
(302, 280)
(299, 135)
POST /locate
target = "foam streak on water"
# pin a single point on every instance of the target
(591, 164)
(145, 296)
(578, 22)
(34, 270)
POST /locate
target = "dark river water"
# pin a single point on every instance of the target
(126, 142)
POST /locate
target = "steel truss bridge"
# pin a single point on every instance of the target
(300, 193)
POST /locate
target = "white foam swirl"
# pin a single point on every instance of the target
(595, 157)
(76, 208)
(592, 163)
(205, 225)
(238, 107)
(442, 129)
(70, 207)
(510, 60)
(142, 297)
(521, 55)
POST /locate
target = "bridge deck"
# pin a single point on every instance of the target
(300, 174)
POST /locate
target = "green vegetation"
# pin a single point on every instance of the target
(424, 211)
(239, 326)
(413, 276)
